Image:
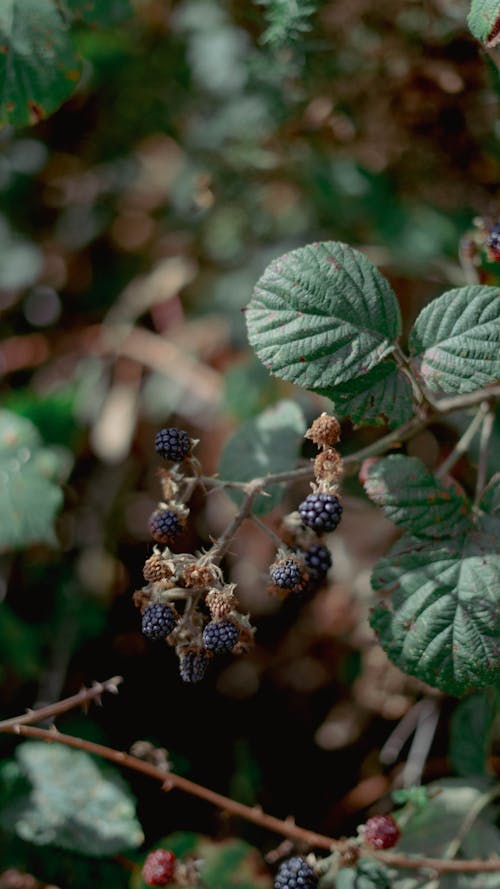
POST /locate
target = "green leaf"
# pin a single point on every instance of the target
(484, 21)
(470, 732)
(29, 497)
(38, 65)
(443, 624)
(383, 395)
(415, 499)
(322, 315)
(69, 802)
(456, 340)
(102, 13)
(268, 443)
(417, 795)
(230, 864)
(20, 644)
(430, 832)
(368, 874)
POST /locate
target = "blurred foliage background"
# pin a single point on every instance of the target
(204, 139)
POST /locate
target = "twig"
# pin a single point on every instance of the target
(484, 444)
(473, 813)
(51, 710)
(428, 719)
(253, 814)
(464, 441)
(268, 531)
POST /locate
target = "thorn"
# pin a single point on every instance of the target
(17, 729)
(54, 730)
(167, 785)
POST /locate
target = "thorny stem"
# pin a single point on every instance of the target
(484, 443)
(254, 814)
(81, 699)
(464, 441)
(403, 363)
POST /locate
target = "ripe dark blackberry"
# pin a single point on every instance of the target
(322, 512)
(158, 621)
(159, 868)
(318, 561)
(220, 636)
(289, 574)
(173, 444)
(295, 873)
(381, 832)
(165, 525)
(193, 666)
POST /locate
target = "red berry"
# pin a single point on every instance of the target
(159, 867)
(381, 832)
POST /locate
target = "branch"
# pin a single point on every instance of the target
(79, 700)
(484, 444)
(254, 814)
(464, 441)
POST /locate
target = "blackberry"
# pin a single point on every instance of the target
(220, 636)
(158, 621)
(295, 873)
(288, 574)
(381, 832)
(193, 666)
(173, 444)
(159, 868)
(164, 525)
(322, 512)
(318, 561)
(494, 238)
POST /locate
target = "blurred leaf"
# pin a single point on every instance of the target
(268, 443)
(71, 802)
(38, 66)
(248, 388)
(21, 260)
(415, 499)
(456, 340)
(383, 395)
(431, 830)
(99, 12)
(368, 874)
(53, 414)
(230, 864)
(417, 796)
(470, 733)
(489, 505)
(322, 315)
(19, 643)
(286, 20)
(246, 778)
(29, 497)
(484, 21)
(443, 622)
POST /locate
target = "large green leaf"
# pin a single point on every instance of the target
(470, 732)
(443, 624)
(29, 496)
(60, 796)
(484, 21)
(456, 339)
(268, 443)
(383, 395)
(489, 505)
(38, 65)
(415, 499)
(322, 315)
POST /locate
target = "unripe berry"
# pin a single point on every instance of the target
(159, 868)
(381, 832)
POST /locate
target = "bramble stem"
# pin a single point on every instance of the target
(464, 441)
(254, 814)
(82, 698)
(484, 444)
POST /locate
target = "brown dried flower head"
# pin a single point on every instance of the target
(195, 575)
(221, 603)
(328, 466)
(169, 486)
(325, 431)
(141, 599)
(156, 568)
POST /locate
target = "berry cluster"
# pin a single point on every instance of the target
(184, 579)
(295, 873)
